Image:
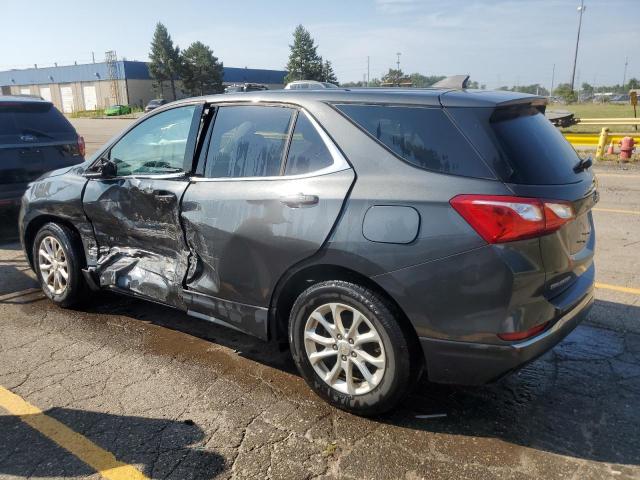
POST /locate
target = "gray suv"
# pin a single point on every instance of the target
(381, 233)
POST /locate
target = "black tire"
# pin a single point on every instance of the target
(399, 349)
(76, 288)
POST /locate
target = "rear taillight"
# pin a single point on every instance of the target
(81, 145)
(514, 336)
(499, 219)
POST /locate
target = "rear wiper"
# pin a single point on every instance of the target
(583, 164)
(40, 133)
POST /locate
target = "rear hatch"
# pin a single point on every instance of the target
(535, 161)
(34, 138)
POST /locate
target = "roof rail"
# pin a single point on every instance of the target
(453, 81)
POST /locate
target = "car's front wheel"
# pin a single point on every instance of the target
(350, 347)
(58, 263)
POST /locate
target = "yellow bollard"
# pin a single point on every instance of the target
(604, 135)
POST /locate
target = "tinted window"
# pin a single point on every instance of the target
(307, 152)
(536, 151)
(248, 141)
(158, 145)
(424, 137)
(39, 119)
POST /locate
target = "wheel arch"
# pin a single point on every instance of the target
(291, 285)
(36, 223)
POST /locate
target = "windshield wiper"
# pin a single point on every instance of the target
(583, 164)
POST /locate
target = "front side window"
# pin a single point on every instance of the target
(424, 137)
(248, 141)
(307, 152)
(156, 146)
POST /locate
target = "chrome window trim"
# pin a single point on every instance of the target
(339, 161)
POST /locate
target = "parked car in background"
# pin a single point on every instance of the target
(245, 87)
(34, 138)
(622, 99)
(381, 233)
(155, 103)
(308, 85)
(114, 110)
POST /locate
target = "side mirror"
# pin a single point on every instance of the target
(105, 169)
(109, 169)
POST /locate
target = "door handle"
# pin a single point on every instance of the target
(164, 194)
(299, 200)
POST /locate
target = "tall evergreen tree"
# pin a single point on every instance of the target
(328, 74)
(165, 59)
(201, 70)
(304, 61)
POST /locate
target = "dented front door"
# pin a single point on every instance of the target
(137, 228)
(136, 215)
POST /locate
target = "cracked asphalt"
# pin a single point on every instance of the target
(179, 398)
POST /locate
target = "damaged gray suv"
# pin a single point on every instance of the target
(384, 233)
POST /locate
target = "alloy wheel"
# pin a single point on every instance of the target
(344, 348)
(53, 265)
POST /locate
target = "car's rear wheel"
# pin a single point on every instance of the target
(58, 262)
(350, 347)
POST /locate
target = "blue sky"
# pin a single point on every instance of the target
(498, 42)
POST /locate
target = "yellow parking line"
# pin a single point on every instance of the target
(102, 461)
(616, 210)
(606, 286)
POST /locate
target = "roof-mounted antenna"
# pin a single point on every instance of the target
(453, 81)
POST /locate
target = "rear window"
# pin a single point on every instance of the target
(535, 150)
(41, 120)
(424, 137)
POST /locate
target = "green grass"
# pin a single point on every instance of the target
(597, 110)
(100, 113)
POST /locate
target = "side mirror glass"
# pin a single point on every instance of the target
(109, 169)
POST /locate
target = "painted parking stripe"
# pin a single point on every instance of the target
(616, 288)
(616, 210)
(102, 461)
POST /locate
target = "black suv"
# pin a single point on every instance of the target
(34, 138)
(381, 232)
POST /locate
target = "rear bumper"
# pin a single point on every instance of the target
(467, 363)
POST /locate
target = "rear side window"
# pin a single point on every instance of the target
(535, 150)
(37, 119)
(248, 141)
(307, 152)
(424, 137)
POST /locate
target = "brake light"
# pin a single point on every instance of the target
(500, 218)
(81, 145)
(511, 337)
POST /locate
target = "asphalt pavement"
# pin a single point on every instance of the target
(121, 388)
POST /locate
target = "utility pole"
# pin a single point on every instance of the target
(624, 77)
(553, 77)
(93, 57)
(581, 9)
(398, 61)
(367, 70)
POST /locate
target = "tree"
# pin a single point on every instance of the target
(587, 89)
(165, 59)
(394, 77)
(201, 70)
(328, 74)
(633, 83)
(421, 81)
(565, 92)
(304, 61)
